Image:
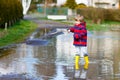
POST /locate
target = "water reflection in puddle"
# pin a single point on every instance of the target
(55, 61)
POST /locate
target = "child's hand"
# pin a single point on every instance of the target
(68, 30)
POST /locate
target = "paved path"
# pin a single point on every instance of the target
(45, 23)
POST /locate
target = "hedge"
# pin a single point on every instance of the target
(10, 12)
(99, 15)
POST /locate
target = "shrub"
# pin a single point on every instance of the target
(95, 14)
(112, 14)
(81, 5)
(10, 12)
(71, 4)
(98, 15)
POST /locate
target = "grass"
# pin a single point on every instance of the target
(17, 33)
(106, 25)
(97, 27)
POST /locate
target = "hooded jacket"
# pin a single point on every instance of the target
(80, 34)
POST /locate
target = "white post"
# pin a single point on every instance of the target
(70, 12)
(6, 26)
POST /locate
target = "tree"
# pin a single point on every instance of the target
(71, 4)
(81, 5)
(119, 4)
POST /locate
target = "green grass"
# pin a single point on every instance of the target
(17, 33)
(106, 25)
(112, 22)
(97, 27)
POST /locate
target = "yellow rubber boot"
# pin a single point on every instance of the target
(86, 62)
(77, 58)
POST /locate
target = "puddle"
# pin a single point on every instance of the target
(36, 42)
(51, 57)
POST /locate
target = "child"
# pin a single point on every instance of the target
(80, 41)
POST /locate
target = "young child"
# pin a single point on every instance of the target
(80, 41)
